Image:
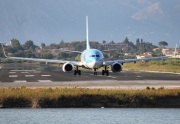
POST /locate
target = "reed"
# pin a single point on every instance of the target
(84, 97)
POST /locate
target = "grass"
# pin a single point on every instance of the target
(167, 65)
(84, 97)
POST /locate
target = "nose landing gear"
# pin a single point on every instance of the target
(95, 72)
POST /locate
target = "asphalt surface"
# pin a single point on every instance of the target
(18, 75)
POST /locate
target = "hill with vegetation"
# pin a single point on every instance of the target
(30, 50)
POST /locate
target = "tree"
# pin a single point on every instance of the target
(1, 54)
(162, 44)
(43, 45)
(104, 42)
(46, 55)
(137, 42)
(112, 42)
(126, 40)
(62, 44)
(29, 44)
(15, 43)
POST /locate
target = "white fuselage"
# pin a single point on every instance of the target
(92, 58)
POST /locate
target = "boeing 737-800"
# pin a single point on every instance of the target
(90, 58)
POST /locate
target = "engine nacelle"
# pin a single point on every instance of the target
(67, 67)
(116, 67)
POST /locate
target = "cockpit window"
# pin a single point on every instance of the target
(94, 56)
(97, 55)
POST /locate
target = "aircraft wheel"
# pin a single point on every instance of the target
(75, 72)
(107, 73)
(79, 72)
(103, 72)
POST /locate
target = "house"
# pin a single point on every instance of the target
(144, 55)
(170, 52)
(116, 46)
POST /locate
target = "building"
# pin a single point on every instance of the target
(170, 52)
(116, 46)
(144, 55)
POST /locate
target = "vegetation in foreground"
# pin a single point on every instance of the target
(167, 65)
(83, 97)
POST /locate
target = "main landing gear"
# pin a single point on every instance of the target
(77, 71)
(105, 71)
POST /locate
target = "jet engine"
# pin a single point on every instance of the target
(116, 67)
(67, 67)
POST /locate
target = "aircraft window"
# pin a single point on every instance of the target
(97, 55)
(93, 55)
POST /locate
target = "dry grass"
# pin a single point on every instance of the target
(84, 97)
(169, 65)
(75, 92)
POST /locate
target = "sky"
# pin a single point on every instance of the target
(50, 21)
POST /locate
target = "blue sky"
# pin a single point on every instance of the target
(51, 21)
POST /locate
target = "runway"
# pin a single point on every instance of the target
(28, 77)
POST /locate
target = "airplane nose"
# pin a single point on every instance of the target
(95, 64)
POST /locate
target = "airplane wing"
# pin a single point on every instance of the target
(70, 51)
(105, 63)
(75, 63)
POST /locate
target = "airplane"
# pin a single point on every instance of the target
(90, 59)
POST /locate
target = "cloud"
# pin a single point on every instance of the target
(177, 7)
(143, 2)
(148, 12)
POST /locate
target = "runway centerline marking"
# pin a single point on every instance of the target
(13, 76)
(44, 81)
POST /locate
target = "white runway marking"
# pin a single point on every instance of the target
(45, 75)
(19, 81)
(37, 71)
(44, 81)
(13, 76)
(12, 72)
(24, 72)
(111, 77)
(29, 75)
(138, 76)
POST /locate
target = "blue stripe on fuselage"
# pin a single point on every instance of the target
(91, 55)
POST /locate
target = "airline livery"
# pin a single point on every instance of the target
(90, 58)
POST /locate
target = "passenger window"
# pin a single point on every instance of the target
(93, 55)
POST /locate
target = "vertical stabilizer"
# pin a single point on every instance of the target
(175, 50)
(87, 39)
